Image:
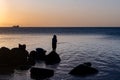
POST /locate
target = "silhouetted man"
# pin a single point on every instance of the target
(54, 42)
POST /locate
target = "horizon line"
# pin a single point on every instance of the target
(62, 27)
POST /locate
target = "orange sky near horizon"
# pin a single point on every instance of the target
(58, 13)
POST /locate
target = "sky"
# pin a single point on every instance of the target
(60, 13)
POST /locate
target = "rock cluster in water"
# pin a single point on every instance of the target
(20, 58)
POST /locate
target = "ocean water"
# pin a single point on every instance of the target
(100, 46)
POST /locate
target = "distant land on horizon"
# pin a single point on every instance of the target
(62, 27)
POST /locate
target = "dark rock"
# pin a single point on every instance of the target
(52, 58)
(83, 70)
(31, 62)
(10, 59)
(22, 47)
(5, 55)
(41, 73)
(40, 54)
(31, 59)
(33, 54)
(6, 69)
(4, 50)
(23, 67)
(88, 64)
(19, 55)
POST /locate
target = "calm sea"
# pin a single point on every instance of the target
(100, 46)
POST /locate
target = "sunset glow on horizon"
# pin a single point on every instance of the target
(53, 13)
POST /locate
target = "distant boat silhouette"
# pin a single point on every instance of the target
(16, 26)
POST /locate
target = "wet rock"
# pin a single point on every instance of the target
(41, 73)
(40, 54)
(84, 69)
(19, 55)
(31, 59)
(33, 54)
(52, 58)
(31, 62)
(6, 69)
(5, 56)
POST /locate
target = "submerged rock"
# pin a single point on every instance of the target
(52, 58)
(41, 73)
(83, 70)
